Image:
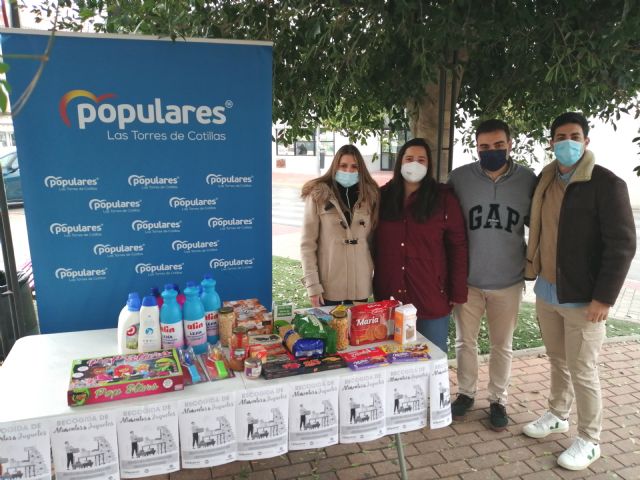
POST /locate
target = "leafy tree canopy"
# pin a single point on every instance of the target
(351, 65)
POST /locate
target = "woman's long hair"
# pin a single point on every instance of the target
(368, 191)
(392, 202)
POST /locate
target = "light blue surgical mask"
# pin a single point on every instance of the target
(347, 179)
(568, 152)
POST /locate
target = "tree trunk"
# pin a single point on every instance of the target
(425, 117)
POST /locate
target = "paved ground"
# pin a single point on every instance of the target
(469, 450)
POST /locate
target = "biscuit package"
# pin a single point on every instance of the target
(371, 322)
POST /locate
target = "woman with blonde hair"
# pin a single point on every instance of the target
(341, 208)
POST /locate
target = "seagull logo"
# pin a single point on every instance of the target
(67, 97)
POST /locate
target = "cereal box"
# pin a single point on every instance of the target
(405, 324)
(370, 322)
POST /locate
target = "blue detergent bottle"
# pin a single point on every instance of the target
(211, 301)
(195, 329)
(171, 319)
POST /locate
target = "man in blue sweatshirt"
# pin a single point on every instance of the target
(495, 195)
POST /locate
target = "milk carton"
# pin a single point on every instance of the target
(404, 319)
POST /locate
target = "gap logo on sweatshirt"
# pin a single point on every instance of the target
(493, 217)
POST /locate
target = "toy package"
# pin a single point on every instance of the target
(97, 380)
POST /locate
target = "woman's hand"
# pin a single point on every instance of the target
(316, 300)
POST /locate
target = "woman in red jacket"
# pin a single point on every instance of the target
(421, 243)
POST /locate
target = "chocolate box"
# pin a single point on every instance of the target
(104, 379)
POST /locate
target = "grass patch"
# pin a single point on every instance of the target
(287, 287)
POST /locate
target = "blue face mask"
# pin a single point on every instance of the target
(568, 152)
(347, 179)
(493, 160)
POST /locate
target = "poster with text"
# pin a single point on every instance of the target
(25, 450)
(407, 397)
(143, 161)
(207, 430)
(85, 447)
(148, 440)
(440, 396)
(261, 422)
(313, 414)
(362, 407)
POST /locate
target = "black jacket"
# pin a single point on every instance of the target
(596, 233)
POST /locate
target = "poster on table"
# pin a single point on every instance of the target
(25, 450)
(407, 397)
(440, 396)
(362, 407)
(148, 440)
(207, 430)
(313, 414)
(261, 422)
(85, 446)
(143, 161)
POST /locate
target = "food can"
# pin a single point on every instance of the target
(252, 368)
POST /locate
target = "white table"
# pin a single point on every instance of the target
(35, 377)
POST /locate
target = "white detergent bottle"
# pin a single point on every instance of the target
(150, 338)
(129, 325)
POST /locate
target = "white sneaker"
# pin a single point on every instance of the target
(579, 455)
(546, 424)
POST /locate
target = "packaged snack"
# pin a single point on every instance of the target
(366, 363)
(362, 354)
(259, 352)
(251, 315)
(303, 347)
(271, 342)
(308, 326)
(370, 322)
(408, 352)
(286, 368)
(405, 324)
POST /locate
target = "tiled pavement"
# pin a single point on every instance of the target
(469, 450)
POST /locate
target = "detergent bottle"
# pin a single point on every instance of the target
(149, 338)
(195, 329)
(129, 325)
(171, 319)
(211, 301)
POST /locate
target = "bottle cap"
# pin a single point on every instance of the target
(168, 286)
(133, 302)
(191, 283)
(149, 301)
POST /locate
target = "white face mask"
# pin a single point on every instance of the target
(413, 172)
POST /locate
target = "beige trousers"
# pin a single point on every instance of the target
(573, 346)
(502, 316)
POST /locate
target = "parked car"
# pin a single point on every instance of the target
(11, 177)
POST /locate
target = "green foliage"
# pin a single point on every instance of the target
(351, 65)
(286, 282)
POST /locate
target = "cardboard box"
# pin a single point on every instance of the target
(104, 379)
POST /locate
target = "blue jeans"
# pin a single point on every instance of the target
(436, 330)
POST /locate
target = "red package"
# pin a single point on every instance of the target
(372, 322)
(362, 354)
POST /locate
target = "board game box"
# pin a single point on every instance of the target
(104, 379)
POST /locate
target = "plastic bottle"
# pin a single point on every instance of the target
(149, 338)
(129, 325)
(171, 319)
(195, 329)
(156, 293)
(181, 298)
(211, 301)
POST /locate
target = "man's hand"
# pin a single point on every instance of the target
(316, 300)
(597, 311)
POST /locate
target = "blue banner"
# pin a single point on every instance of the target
(143, 162)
